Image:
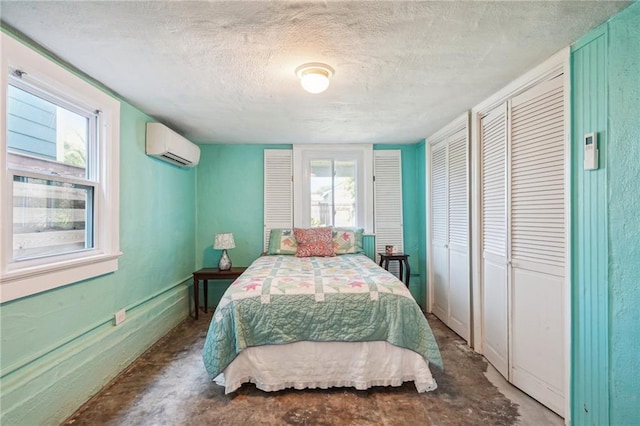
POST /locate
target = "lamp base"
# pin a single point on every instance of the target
(225, 263)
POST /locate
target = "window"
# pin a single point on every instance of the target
(59, 187)
(334, 184)
(332, 191)
(53, 183)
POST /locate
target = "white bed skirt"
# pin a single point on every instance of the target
(301, 365)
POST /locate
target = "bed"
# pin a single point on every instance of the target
(319, 322)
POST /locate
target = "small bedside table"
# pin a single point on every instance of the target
(403, 260)
(206, 274)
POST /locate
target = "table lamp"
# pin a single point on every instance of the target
(223, 242)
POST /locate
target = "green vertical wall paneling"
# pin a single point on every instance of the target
(590, 303)
(369, 246)
(59, 347)
(606, 228)
(623, 201)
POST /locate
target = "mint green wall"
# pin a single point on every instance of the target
(230, 198)
(606, 232)
(230, 185)
(59, 347)
(623, 200)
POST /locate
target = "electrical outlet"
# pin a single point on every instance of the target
(120, 316)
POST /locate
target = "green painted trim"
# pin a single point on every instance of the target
(589, 38)
(590, 363)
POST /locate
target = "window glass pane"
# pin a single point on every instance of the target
(50, 217)
(45, 137)
(333, 193)
(345, 193)
(321, 185)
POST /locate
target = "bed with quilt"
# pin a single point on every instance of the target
(319, 321)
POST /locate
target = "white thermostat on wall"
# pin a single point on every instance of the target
(590, 151)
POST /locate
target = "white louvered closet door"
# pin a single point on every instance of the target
(278, 191)
(439, 232)
(387, 169)
(449, 228)
(458, 229)
(537, 239)
(495, 341)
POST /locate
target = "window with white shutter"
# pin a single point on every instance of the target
(278, 191)
(388, 202)
(282, 193)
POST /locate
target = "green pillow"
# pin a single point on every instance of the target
(347, 240)
(282, 241)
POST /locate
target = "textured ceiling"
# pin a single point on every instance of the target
(224, 71)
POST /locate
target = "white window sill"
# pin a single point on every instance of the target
(25, 282)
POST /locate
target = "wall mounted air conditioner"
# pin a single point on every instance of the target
(167, 145)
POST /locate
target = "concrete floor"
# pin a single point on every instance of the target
(168, 385)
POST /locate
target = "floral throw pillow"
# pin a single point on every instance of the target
(314, 242)
(282, 241)
(347, 240)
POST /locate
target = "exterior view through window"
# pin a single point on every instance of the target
(50, 147)
(333, 193)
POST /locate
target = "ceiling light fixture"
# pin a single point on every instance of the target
(314, 77)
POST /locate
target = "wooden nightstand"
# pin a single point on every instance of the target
(403, 260)
(206, 274)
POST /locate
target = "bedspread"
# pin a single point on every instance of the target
(284, 299)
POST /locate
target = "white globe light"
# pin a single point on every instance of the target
(314, 77)
(314, 83)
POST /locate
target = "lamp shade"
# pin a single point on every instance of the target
(224, 241)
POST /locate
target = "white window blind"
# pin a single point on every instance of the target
(537, 175)
(278, 191)
(494, 149)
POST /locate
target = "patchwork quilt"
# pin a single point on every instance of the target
(284, 299)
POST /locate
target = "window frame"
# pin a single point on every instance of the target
(304, 153)
(26, 277)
